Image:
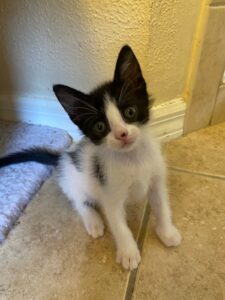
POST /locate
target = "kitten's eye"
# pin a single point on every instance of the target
(99, 127)
(130, 112)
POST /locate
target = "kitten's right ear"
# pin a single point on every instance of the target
(71, 100)
(128, 68)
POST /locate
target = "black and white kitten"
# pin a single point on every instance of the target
(116, 158)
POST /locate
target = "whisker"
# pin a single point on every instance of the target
(131, 91)
(86, 108)
(88, 114)
(67, 106)
(87, 104)
(127, 88)
(121, 92)
(124, 90)
(88, 119)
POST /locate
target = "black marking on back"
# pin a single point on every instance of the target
(98, 169)
(76, 155)
(89, 203)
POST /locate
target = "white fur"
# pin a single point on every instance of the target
(138, 170)
(118, 126)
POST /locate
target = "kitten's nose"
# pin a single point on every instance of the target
(121, 134)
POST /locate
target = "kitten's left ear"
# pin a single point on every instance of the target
(128, 68)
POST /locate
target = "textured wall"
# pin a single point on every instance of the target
(76, 42)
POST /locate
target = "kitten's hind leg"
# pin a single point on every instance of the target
(159, 202)
(91, 218)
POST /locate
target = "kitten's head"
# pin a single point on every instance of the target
(115, 112)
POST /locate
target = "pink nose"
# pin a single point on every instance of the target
(121, 134)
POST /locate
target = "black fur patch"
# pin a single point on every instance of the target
(98, 169)
(76, 155)
(89, 204)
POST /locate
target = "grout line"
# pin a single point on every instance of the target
(214, 176)
(144, 225)
(216, 5)
(140, 240)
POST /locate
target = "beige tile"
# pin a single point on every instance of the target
(201, 151)
(209, 74)
(49, 255)
(196, 269)
(219, 110)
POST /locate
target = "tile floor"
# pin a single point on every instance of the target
(48, 255)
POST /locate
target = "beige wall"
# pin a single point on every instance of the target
(76, 42)
(205, 99)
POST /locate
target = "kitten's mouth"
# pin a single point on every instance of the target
(126, 144)
(123, 145)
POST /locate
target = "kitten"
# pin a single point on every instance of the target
(117, 157)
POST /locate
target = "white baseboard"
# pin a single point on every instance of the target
(41, 111)
(167, 118)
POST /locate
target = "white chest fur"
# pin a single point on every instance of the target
(133, 172)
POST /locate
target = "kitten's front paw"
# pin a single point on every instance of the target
(170, 236)
(129, 257)
(94, 225)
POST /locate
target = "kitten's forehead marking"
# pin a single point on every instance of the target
(112, 113)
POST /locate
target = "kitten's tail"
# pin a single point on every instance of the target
(39, 155)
